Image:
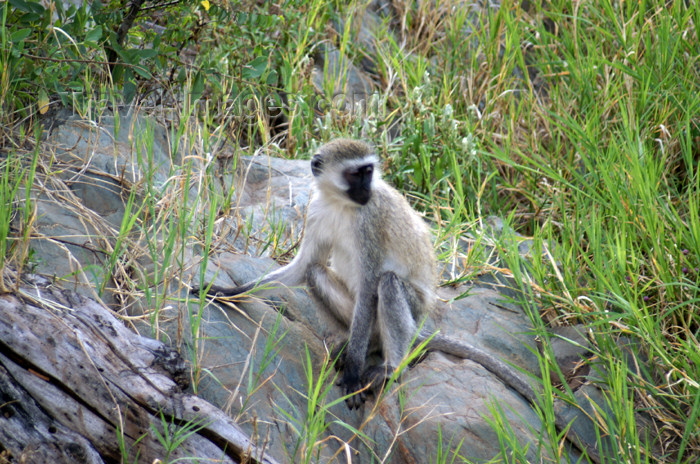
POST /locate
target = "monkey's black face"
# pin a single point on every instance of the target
(359, 181)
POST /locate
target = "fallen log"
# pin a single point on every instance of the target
(77, 386)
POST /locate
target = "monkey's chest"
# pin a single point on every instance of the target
(338, 227)
(348, 265)
(346, 255)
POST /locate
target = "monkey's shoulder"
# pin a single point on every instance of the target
(393, 216)
(402, 234)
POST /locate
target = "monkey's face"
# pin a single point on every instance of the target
(359, 181)
(344, 170)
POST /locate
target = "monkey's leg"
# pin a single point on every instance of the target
(395, 319)
(331, 293)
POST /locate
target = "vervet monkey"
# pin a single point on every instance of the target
(368, 260)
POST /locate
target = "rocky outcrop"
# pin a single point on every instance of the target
(261, 357)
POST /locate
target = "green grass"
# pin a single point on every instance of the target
(579, 122)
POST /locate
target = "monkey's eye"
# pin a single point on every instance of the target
(366, 170)
(316, 165)
(360, 176)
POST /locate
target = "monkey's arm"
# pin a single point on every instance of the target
(291, 275)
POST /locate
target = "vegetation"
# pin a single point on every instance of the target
(579, 122)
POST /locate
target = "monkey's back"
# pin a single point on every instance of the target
(406, 240)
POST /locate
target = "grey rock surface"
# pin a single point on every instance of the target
(441, 392)
(249, 355)
(81, 201)
(441, 395)
(271, 194)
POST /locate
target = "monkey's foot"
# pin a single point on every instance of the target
(351, 386)
(372, 382)
(216, 291)
(376, 377)
(198, 289)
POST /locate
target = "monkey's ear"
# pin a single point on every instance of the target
(316, 165)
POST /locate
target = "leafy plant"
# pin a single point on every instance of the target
(171, 435)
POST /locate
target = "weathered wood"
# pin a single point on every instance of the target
(30, 434)
(75, 383)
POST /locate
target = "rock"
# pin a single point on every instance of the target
(263, 176)
(259, 357)
(452, 397)
(98, 158)
(272, 194)
(69, 243)
(440, 393)
(250, 354)
(571, 349)
(81, 204)
(350, 86)
(367, 26)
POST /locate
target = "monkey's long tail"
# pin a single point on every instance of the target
(464, 350)
(511, 378)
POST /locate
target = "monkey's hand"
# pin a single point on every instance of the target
(196, 290)
(215, 290)
(351, 384)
